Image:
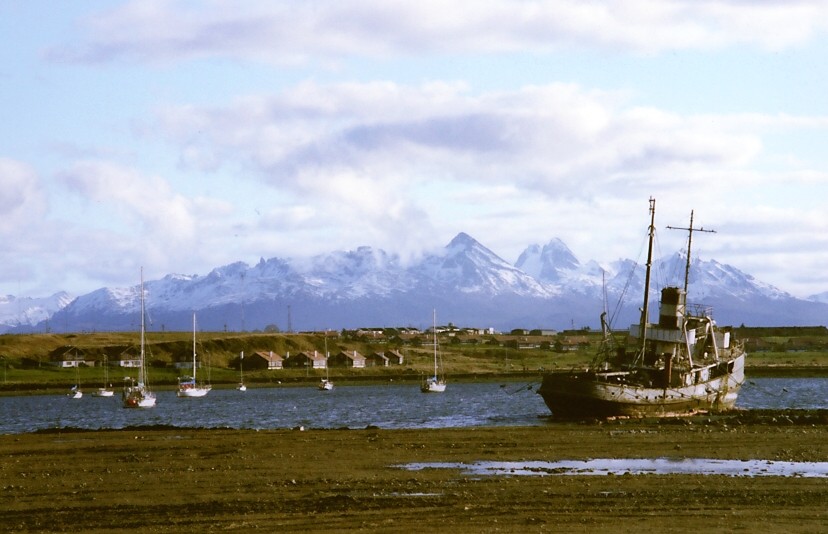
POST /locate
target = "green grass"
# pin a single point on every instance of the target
(26, 360)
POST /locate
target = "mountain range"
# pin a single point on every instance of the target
(468, 285)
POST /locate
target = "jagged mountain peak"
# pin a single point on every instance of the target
(468, 266)
(549, 263)
(464, 244)
(462, 240)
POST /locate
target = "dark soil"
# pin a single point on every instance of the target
(168, 479)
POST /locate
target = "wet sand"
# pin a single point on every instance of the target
(166, 479)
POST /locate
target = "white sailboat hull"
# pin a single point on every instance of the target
(194, 392)
(433, 385)
(103, 392)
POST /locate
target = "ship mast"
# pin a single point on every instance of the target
(645, 309)
(141, 370)
(689, 231)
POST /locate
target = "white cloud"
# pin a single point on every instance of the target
(382, 138)
(22, 200)
(139, 219)
(299, 32)
(149, 200)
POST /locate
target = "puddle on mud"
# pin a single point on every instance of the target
(658, 466)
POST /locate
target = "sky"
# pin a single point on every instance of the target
(180, 136)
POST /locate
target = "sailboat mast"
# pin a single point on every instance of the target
(645, 309)
(141, 369)
(194, 348)
(434, 328)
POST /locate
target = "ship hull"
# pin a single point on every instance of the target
(601, 395)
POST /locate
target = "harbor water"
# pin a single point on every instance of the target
(382, 405)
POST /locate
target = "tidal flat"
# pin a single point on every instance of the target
(166, 479)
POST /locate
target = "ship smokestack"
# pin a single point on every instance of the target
(673, 308)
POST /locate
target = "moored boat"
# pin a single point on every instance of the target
(682, 364)
(187, 385)
(137, 394)
(75, 391)
(435, 383)
(241, 386)
(104, 391)
(326, 384)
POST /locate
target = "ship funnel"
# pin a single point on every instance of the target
(673, 308)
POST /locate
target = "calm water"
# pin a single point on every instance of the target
(385, 406)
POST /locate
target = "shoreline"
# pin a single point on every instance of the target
(775, 371)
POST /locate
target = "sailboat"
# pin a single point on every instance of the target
(436, 383)
(187, 386)
(75, 391)
(681, 365)
(104, 391)
(325, 384)
(241, 386)
(137, 394)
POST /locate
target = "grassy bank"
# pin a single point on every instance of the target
(29, 362)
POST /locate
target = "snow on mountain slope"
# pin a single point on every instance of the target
(29, 311)
(469, 267)
(548, 287)
(356, 274)
(548, 264)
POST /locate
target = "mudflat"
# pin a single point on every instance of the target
(171, 479)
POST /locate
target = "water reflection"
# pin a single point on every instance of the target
(658, 466)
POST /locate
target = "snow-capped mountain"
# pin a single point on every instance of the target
(470, 268)
(26, 312)
(552, 263)
(465, 282)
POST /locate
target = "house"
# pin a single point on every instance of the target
(129, 360)
(264, 360)
(395, 357)
(303, 360)
(348, 359)
(376, 359)
(572, 343)
(69, 357)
